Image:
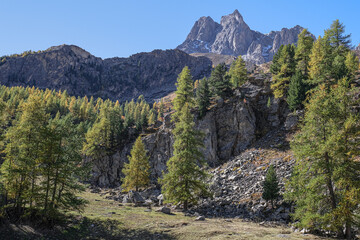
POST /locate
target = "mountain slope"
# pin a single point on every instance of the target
(68, 67)
(234, 37)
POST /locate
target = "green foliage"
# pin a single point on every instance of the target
(219, 81)
(268, 104)
(185, 180)
(325, 183)
(238, 72)
(203, 97)
(297, 91)
(271, 186)
(302, 52)
(275, 66)
(42, 160)
(337, 37)
(286, 69)
(41, 136)
(137, 170)
(184, 92)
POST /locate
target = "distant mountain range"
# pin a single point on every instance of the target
(152, 74)
(234, 37)
(71, 68)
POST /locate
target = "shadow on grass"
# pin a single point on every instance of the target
(77, 229)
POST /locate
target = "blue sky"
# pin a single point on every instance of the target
(121, 28)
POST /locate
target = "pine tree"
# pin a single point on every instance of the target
(238, 72)
(271, 186)
(219, 81)
(287, 65)
(137, 170)
(297, 91)
(275, 66)
(185, 180)
(203, 97)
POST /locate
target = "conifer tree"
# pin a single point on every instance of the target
(219, 81)
(321, 59)
(184, 92)
(297, 91)
(185, 180)
(303, 51)
(287, 66)
(161, 110)
(325, 183)
(352, 64)
(275, 66)
(238, 72)
(271, 186)
(337, 37)
(137, 170)
(203, 97)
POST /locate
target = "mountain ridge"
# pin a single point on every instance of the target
(232, 36)
(71, 68)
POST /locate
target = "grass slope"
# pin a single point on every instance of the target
(106, 219)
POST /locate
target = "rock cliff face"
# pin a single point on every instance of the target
(234, 37)
(71, 68)
(230, 127)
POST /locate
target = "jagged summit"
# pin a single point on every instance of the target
(234, 37)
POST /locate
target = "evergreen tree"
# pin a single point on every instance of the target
(271, 186)
(287, 65)
(238, 72)
(219, 81)
(185, 180)
(203, 97)
(137, 170)
(297, 91)
(275, 66)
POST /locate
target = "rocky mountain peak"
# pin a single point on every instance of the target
(64, 48)
(234, 37)
(234, 17)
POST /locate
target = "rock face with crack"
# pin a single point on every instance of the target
(234, 37)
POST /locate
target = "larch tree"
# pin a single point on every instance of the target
(238, 72)
(184, 181)
(286, 62)
(184, 92)
(137, 171)
(302, 52)
(325, 183)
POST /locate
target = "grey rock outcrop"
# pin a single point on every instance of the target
(68, 67)
(230, 127)
(234, 37)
